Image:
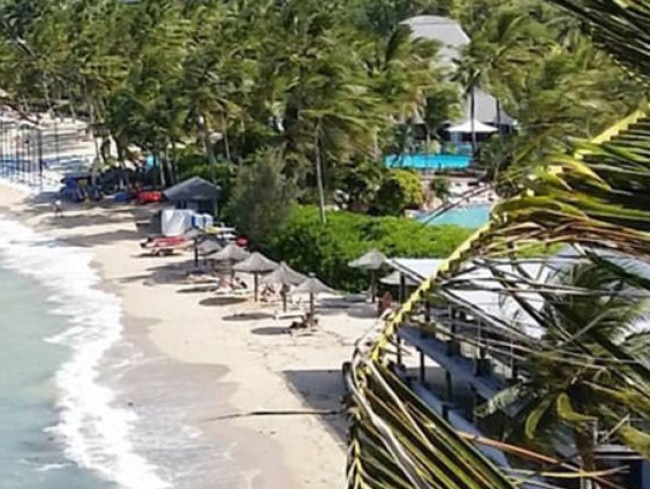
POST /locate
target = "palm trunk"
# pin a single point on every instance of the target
(209, 150)
(472, 114)
(161, 168)
(319, 177)
(226, 143)
(91, 114)
(585, 446)
(498, 103)
(174, 155)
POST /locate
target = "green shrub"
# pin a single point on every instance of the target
(308, 246)
(400, 190)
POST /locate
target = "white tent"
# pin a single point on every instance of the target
(478, 128)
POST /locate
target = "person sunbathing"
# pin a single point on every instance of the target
(224, 283)
(268, 293)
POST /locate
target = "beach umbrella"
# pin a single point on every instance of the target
(394, 279)
(256, 264)
(194, 234)
(372, 261)
(313, 287)
(472, 126)
(230, 253)
(285, 276)
(208, 247)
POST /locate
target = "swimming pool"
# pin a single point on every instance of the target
(422, 161)
(468, 217)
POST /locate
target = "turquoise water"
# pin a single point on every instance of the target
(469, 217)
(428, 161)
(31, 457)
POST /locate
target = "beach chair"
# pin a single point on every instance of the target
(165, 246)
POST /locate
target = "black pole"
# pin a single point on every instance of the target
(40, 154)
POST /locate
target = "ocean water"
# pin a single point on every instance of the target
(60, 425)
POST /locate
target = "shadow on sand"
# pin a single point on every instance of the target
(224, 301)
(249, 316)
(322, 390)
(271, 330)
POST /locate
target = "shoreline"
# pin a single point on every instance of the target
(230, 367)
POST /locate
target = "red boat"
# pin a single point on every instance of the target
(150, 197)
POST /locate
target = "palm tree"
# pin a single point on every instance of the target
(441, 187)
(569, 386)
(594, 197)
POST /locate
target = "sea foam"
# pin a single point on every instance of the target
(96, 434)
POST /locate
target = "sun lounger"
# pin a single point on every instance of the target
(165, 245)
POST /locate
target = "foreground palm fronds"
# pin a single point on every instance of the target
(572, 324)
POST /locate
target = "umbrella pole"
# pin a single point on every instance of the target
(312, 310)
(256, 284)
(284, 299)
(373, 286)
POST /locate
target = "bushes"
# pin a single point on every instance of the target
(308, 246)
(400, 190)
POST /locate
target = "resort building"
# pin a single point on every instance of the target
(455, 359)
(452, 39)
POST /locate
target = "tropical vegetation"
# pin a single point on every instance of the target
(330, 85)
(326, 251)
(297, 101)
(571, 329)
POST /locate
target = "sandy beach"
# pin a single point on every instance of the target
(197, 368)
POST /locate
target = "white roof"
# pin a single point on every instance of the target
(470, 126)
(478, 288)
(418, 269)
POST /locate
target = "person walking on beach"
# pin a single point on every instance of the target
(57, 206)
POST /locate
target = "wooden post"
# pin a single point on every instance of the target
(422, 367)
(449, 385)
(427, 313)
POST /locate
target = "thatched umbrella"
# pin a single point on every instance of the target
(194, 234)
(372, 261)
(285, 276)
(256, 264)
(231, 252)
(394, 279)
(208, 247)
(401, 282)
(313, 287)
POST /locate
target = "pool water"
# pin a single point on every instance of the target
(468, 217)
(424, 161)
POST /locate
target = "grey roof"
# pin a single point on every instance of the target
(442, 29)
(256, 263)
(373, 260)
(452, 37)
(486, 109)
(193, 189)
